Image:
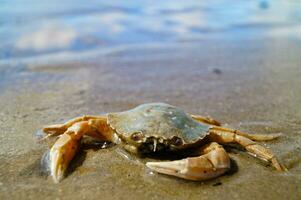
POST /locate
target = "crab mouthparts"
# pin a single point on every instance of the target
(152, 145)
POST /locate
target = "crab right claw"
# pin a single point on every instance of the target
(213, 163)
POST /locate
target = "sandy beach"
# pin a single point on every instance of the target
(246, 77)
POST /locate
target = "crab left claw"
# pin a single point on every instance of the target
(60, 155)
(68, 143)
(214, 162)
(64, 150)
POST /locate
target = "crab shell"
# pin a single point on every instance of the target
(157, 127)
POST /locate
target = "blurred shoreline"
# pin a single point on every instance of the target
(75, 30)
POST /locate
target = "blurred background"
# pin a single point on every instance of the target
(35, 29)
(238, 61)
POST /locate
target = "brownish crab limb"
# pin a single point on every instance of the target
(65, 148)
(103, 131)
(256, 137)
(223, 136)
(57, 129)
(206, 120)
(213, 163)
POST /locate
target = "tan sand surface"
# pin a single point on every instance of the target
(254, 87)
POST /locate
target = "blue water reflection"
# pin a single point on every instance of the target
(32, 28)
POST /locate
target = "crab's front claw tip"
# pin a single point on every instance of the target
(60, 155)
(173, 168)
(178, 168)
(57, 168)
(196, 169)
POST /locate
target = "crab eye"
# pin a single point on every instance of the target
(137, 136)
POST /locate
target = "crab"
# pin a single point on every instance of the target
(159, 130)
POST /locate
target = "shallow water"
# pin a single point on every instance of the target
(35, 30)
(237, 63)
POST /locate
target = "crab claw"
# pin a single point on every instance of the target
(174, 168)
(187, 169)
(204, 167)
(60, 155)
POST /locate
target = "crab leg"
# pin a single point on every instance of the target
(225, 135)
(57, 129)
(213, 163)
(257, 137)
(65, 148)
(206, 120)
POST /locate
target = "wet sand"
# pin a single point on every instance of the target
(254, 87)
